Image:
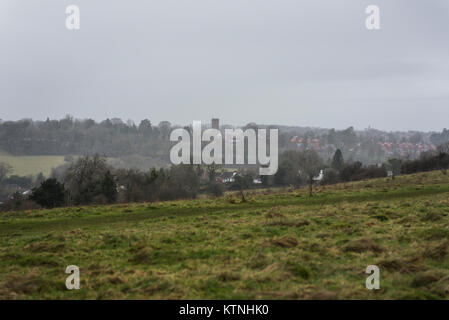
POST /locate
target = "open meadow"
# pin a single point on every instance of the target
(31, 165)
(277, 245)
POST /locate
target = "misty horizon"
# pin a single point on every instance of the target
(207, 121)
(302, 64)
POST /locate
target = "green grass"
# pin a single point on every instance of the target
(277, 245)
(31, 165)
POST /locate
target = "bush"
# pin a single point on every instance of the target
(109, 187)
(355, 171)
(85, 180)
(216, 189)
(330, 176)
(50, 194)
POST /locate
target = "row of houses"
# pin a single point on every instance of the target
(309, 143)
(406, 148)
(229, 177)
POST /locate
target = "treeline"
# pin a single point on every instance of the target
(70, 136)
(440, 138)
(428, 162)
(116, 138)
(90, 180)
(306, 168)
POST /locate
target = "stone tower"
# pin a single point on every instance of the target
(216, 123)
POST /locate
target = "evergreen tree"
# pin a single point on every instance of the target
(109, 187)
(50, 194)
(337, 160)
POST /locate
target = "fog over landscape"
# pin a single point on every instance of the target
(305, 63)
(218, 155)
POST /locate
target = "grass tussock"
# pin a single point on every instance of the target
(362, 245)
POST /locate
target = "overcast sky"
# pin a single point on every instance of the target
(292, 62)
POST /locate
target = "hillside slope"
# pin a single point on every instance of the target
(281, 245)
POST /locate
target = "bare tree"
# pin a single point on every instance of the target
(310, 165)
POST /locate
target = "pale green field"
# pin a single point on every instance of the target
(31, 165)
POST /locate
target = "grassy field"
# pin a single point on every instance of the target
(278, 245)
(31, 165)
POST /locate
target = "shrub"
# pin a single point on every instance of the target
(330, 176)
(50, 194)
(215, 189)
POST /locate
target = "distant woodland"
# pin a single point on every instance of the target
(116, 161)
(146, 145)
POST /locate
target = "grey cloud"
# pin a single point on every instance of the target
(286, 61)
